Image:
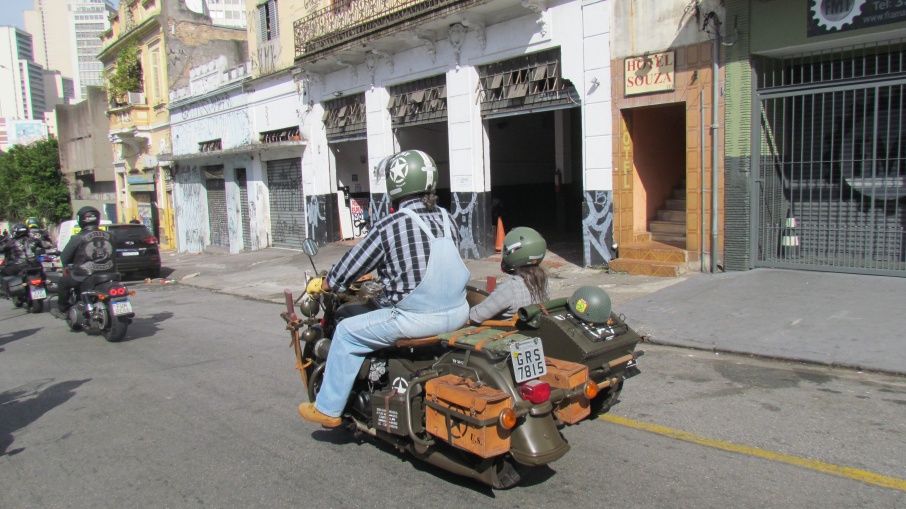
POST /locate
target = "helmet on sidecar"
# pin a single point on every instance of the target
(32, 222)
(522, 246)
(590, 304)
(409, 172)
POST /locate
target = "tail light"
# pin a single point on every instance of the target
(535, 391)
(507, 418)
(35, 281)
(150, 240)
(117, 291)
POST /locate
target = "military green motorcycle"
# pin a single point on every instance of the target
(485, 402)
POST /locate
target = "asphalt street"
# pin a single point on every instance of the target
(197, 408)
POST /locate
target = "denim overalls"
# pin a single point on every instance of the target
(438, 304)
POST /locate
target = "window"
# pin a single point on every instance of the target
(267, 21)
(155, 75)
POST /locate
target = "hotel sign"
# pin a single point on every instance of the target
(650, 73)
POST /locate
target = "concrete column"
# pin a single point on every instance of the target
(470, 169)
(233, 207)
(381, 143)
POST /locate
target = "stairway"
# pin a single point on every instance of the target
(662, 250)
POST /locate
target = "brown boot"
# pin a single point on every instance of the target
(311, 414)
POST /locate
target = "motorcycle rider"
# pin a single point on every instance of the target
(36, 232)
(88, 252)
(415, 253)
(523, 252)
(20, 251)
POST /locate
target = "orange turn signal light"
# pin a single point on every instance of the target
(507, 418)
(102, 297)
(591, 389)
(131, 292)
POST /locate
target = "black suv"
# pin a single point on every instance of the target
(136, 249)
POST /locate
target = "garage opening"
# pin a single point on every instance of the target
(534, 128)
(344, 121)
(418, 113)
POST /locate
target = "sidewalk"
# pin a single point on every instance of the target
(835, 319)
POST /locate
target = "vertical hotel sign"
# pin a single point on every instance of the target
(649, 73)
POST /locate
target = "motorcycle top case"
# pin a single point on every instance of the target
(464, 413)
(566, 337)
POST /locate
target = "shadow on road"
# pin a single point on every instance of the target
(147, 326)
(27, 403)
(9, 337)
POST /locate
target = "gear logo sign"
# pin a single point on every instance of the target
(834, 14)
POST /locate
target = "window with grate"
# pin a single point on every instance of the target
(345, 117)
(210, 146)
(419, 102)
(278, 135)
(529, 81)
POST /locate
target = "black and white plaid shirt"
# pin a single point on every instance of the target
(396, 248)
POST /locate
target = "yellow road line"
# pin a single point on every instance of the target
(850, 473)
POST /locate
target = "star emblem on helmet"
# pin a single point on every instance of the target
(399, 168)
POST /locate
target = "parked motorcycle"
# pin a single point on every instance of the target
(482, 402)
(101, 305)
(26, 289)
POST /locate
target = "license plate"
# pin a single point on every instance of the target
(129, 253)
(38, 293)
(528, 359)
(47, 265)
(122, 307)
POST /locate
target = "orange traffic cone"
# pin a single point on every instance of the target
(498, 246)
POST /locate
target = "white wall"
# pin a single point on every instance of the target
(190, 199)
(597, 121)
(651, 25)
(220, 116)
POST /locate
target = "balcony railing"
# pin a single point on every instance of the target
(129, 116)
(346, 20)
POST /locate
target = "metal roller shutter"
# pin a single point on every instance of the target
(284, 179)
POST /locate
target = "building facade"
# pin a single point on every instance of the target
(511, 99)
(815, 166)
(21, 78)
(85, 151)
(168, 36)
(217, 190)
(66, 38)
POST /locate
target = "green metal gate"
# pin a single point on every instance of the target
(830, 177)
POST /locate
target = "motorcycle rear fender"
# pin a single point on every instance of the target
(535, 440)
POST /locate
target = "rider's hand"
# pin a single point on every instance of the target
(315, 286)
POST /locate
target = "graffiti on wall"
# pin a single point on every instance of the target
(597, 227)
(207, 106)
(234, 129)
(464, 214)
(314, 214)
(361, 223)
(190, 202)
(379, 206)
(266, 58)
(234, 215)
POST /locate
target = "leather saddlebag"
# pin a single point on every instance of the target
(568, 375)
(465, 413)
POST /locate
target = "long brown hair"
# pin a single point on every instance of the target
(536, 280)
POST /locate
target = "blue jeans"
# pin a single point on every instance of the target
(437, 305)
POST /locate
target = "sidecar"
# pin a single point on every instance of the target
(608, 350)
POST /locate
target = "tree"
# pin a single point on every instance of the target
(127, 75)
(32, 184)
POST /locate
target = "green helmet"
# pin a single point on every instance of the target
(409, 172)
(523, 246)
(590, 304)
(32, 222)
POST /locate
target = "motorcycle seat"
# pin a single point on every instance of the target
(103, 277)
(417, 342)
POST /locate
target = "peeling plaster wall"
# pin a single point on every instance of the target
(221, 116)
(259, 210)
(234, 210)
(190, 200)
